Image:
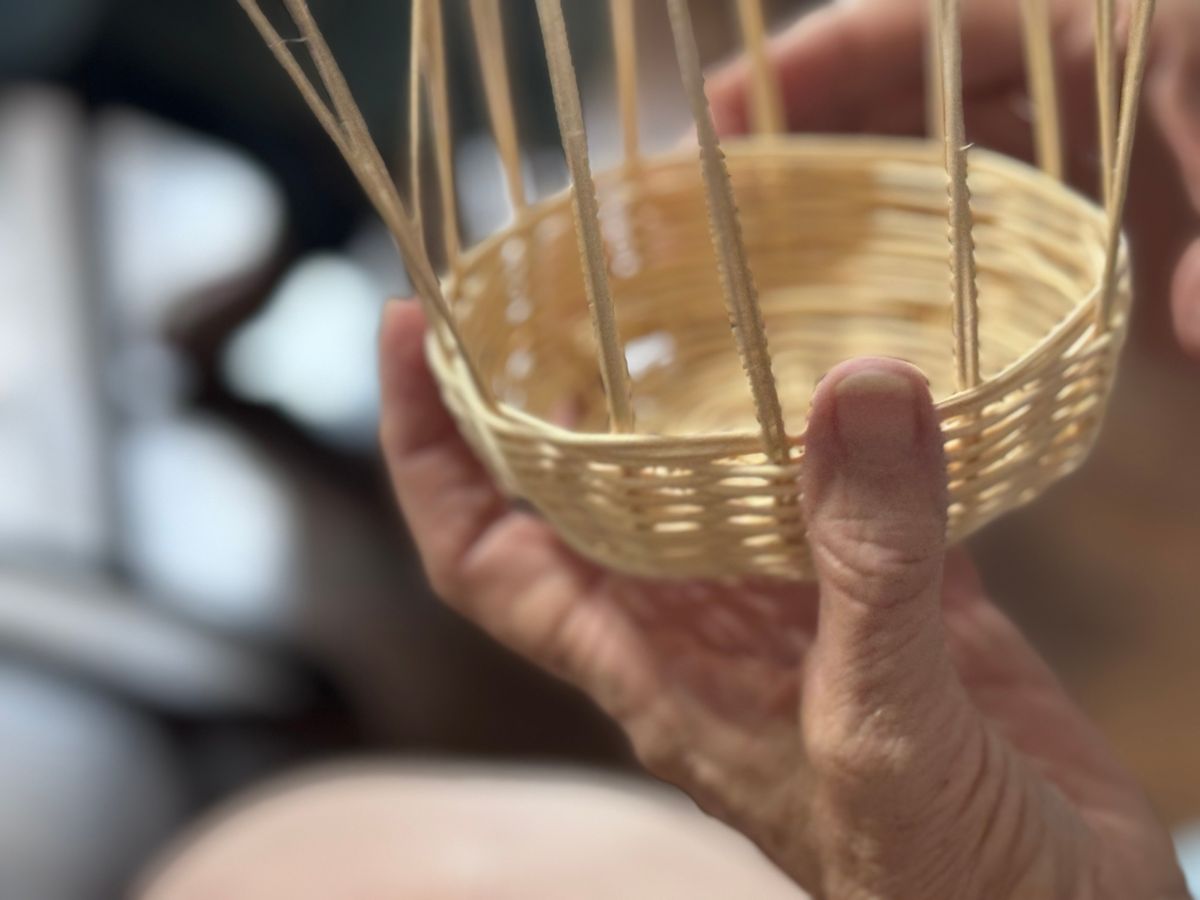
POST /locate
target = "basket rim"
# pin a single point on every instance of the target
(502, 417)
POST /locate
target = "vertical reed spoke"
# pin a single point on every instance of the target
(741, 296)
(280, 49)
(766, 97)
(416, 83)
(613, 368)
(624, 28)
(347, 110)
(1106, 88)
(348, 131)
(935, 103)
(1131, 97)
(443, 141)
(493, 65)
(1043, 85)
(962, 241)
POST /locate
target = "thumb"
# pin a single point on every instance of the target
(875, 500)
(1174, 94)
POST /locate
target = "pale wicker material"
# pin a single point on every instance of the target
(586, 348)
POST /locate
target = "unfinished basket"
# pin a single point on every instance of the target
(586, 347)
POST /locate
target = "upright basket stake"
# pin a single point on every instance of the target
(348, 131)
(493, 64)
(1106, 89)
(935, 103)
(741, 296)
(1135, 72)
(442, 131)
(766, 96)
(1043, 85)
(416, 82)
(624, 30)
(614, 369)
(962, 241)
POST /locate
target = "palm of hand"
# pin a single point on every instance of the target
(870, 756)
(708, 681)
(888, 750)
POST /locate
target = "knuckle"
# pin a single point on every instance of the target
(445, 581)
(657, 737)
(857, 761)
(882, 561)
(659, 753)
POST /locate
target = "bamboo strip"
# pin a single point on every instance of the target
(348, 131)
(339, 92)
(284, 56)
(741, 296)
(1135, 72)
(497, 85)
(1106, 87)
(443, 140)
(1043, 86)
(844, 236)
(416, 81)
(613, 367)
(690, 496)
(935, 103)
(766, 96)
(624, 27)
(962, 242)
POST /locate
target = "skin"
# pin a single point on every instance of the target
(395, 831)
(885, 732)
(912, 745)
(857, 66)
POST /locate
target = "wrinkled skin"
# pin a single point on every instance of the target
(886, 732)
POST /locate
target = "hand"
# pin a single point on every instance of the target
(857, 66)
(911, 746)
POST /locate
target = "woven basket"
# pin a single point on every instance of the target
(586, 348)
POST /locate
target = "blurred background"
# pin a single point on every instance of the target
(203, 581)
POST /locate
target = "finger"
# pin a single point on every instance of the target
(842, 65)
(829, 65)
(1186, 300)
(504, 570)
(477, 552)
(875, 501)
(1175, 98)
(446, 495)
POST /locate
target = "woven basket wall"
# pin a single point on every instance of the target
(610, 391)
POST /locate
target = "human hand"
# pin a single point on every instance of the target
(884, 733)
(857, 67)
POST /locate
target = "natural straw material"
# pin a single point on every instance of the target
(846, 238)
(585, 349)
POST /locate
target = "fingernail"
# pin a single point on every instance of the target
(912, 365)
(876, 416)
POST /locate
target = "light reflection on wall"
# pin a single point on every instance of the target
(311, 351)
(180, 213)
(209, 526)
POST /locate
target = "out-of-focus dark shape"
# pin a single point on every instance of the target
(43, 37)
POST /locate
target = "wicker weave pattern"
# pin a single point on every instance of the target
(847, 265)
(635, 356)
